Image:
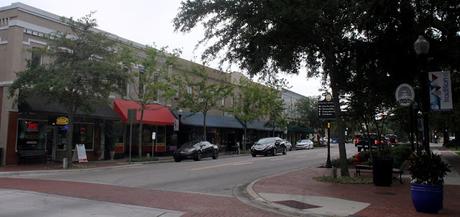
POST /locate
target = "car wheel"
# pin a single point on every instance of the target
(284, 150)
(273, 151)
(197, 156)
(177, 159)
(253, 155)
(215, 155)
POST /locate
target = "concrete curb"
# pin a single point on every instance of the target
(252, 198)
(53, 171)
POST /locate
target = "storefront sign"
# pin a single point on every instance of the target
(61, 121)
(440, 91)
(31, 126)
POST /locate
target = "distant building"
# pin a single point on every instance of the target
(291, 112)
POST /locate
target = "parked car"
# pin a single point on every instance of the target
(362, 141)
(391, 139)
(304, 144)
(288, 144)
(270, 145)
(196, 150)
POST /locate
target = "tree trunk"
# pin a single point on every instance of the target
(245, 136)
(204, 126)
(69, 133)
(141, 129)
(340, 128)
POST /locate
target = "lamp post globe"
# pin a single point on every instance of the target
(421, 45)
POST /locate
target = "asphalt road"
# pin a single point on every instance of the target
(214, 177)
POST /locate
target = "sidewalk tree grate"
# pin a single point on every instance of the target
(296, 204)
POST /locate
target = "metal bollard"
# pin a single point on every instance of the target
(65, 163)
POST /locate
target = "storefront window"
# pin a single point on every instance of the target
(83, 134)
(31, 135)
(161, 134)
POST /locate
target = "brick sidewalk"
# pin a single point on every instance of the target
(384, 201)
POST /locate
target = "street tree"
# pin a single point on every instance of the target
(273, 108)
(307, 108)
(390, 29)
(266, 37)
(150, 77)
(82, 70)
(201, 94)
(248, 105)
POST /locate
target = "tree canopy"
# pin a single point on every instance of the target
(365, 43)
(201, 94)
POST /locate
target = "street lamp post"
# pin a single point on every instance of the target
(421, 48)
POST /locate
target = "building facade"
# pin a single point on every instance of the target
(31, 128)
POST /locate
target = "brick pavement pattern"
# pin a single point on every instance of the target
(393, 201)
(190, 203)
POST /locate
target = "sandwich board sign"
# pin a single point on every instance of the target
(80, 153)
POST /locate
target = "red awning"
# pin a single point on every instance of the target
(154, 114)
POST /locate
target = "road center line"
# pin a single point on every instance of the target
(223, 165)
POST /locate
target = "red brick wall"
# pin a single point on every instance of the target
(11, 157)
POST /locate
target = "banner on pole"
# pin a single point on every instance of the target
(440, 91)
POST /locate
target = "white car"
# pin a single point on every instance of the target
(288, 145)
(304, 144)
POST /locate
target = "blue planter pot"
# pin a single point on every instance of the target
(427, 198)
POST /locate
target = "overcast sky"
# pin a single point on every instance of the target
(148, 22)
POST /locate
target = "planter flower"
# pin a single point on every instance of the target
(428, 172)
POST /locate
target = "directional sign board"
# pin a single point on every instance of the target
(326, 109)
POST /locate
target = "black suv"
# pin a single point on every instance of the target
(270, 145)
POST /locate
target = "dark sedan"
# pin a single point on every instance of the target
(196, 151)
(266, 146)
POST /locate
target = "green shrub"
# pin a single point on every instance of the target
(400, 153)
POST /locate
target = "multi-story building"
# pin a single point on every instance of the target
(26, 129)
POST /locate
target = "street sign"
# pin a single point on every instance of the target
(176, 125)
(326, 110)
(132, 116)
(404, 94)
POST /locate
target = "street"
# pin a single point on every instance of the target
(183, 184)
